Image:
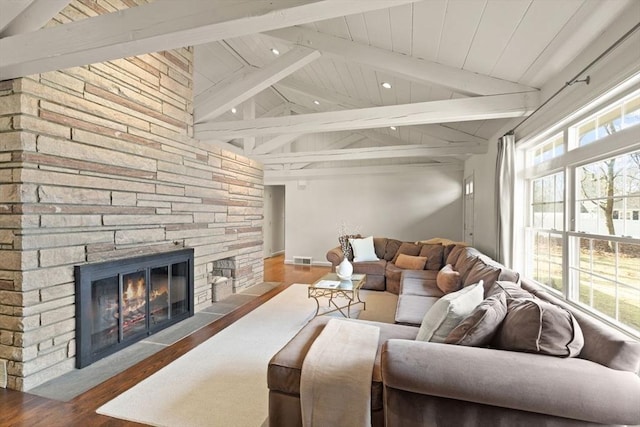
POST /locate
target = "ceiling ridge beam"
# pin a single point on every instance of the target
(369, 153)
(415, 69)
(272, 176)
(159, 26)
(218, 102)
(450, 110)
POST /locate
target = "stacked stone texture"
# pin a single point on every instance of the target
(96, 163)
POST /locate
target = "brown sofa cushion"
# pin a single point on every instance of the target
(536, 326)
(411, 262)
(392, 249)
(603, 344)
(380, 246)
(481, 325)
(453, 254)
(407, 248)
(464, 263)
(371, 268)
(482, 271)
(412, 308)
(434, 254)
(448, 280)
(511, 289)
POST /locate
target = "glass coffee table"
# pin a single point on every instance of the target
(331, 287)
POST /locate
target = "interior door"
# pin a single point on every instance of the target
(468, 209)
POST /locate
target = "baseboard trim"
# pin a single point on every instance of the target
(313, 263)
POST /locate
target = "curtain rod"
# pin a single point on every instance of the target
(586, 80)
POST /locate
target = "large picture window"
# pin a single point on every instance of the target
(582, 228)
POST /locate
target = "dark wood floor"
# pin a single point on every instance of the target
(23, 409)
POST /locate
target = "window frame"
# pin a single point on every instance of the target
(625, 141)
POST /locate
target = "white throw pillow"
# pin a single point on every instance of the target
(448, 312)
(363, 249)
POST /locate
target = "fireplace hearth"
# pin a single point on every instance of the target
(121, 302)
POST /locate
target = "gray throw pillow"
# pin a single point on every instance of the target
(536, 326)
(480, 326)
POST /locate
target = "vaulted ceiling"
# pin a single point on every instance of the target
(300, 85)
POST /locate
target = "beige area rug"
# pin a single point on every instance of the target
(223, 381)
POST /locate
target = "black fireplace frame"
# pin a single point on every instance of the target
(88, 273)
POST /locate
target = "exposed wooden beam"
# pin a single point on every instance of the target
(368, 154)
(33, 17)
(336, 145)
(407, 67)
(219, 101)
(451, 110)
(249, 113)
(275, 143)
(272, 177)
(160, 26)
(224, 145)
(10, 10)
(432, 133)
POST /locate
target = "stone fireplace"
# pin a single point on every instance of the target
(120, 302)
(98, 163)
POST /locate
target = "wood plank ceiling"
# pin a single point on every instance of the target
(457, 70)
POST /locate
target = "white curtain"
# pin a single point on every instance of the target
(505, 183)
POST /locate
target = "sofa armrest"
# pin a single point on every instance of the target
(335, 255)
(572, 388)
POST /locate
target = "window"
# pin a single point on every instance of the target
(607, 193)
(620, 115)
(549, 149)
(547, 217)
(582, 232)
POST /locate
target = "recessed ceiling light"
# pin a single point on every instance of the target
(315, 101)
(392, 127)
(275, 51)
(233, 110)
(386, 85)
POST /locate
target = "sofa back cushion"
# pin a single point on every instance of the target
(602, 343)
(467, 257)
(451, 256)
(478, 329)
(510, 289)
(489, 271)
(434, 254)
(536, 326)
(407, 248)
(391, 249)
(380, 246)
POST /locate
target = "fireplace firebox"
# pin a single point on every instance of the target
(120, 302)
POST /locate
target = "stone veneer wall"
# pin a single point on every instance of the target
(98, 162)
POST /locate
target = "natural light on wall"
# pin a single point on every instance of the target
(583, 213)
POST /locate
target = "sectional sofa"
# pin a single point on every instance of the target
(423, 383)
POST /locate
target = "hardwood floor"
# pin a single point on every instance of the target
(23, 409)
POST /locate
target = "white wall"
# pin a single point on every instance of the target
(613, 69)
(411, 206)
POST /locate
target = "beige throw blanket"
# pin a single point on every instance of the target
(335, 384)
